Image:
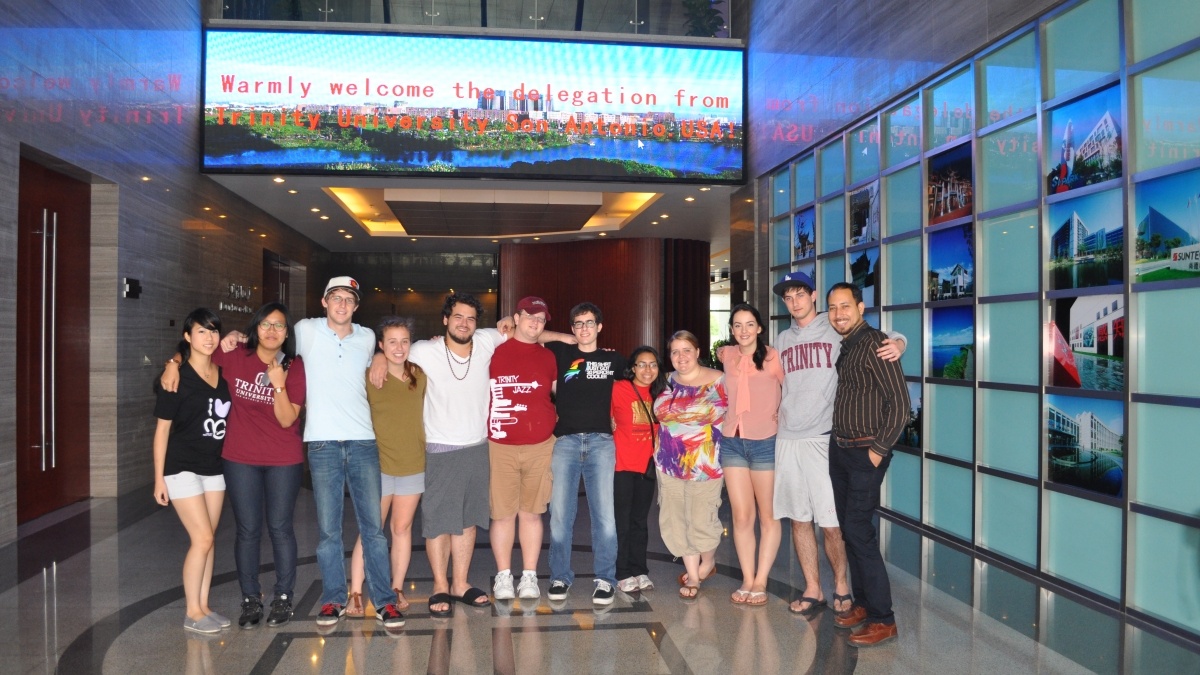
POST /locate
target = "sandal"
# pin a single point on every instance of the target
(441, 599)
(683, 577)
(473, 598)
(740, 597)
(401, 601)
(757, 598)
(689, 592)
(842, 598)
(814, 606)
(354, 605)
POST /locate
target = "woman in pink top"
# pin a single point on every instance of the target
(753, 378)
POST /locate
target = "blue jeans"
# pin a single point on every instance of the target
(333, 464)
(594, 457)
(255, 491)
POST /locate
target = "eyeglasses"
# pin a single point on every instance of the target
(580, 325)
(645, 365)
(268, 326)
(347, 300)
(533, 317)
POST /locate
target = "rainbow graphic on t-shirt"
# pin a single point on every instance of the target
(574, 370)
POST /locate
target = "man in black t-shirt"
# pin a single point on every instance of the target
(584, 449)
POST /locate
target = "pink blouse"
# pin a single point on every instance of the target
(754, 394)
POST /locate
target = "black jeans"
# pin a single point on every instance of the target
(255, 492)
(632, 496)
(856, 496)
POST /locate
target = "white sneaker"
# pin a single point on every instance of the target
(502, 589)
(528, 588)
(628, 585)
(644, 583)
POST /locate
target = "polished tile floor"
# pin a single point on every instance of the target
(95, 588)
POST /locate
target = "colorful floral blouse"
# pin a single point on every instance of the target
(689, 438)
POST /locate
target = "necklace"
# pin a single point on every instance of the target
(470, 353)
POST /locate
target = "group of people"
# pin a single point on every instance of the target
(494, 427)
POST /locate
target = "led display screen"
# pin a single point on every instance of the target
(295, 102)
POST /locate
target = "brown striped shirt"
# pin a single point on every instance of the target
(871, 407)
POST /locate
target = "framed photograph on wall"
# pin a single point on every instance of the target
(1085, 443)
(1086, 343)
(952, 342)
(864, 214)
(1084, 142)
(1087, 241)
(911, 435)
(1167, 213)
(864, 271)
(951, 192)
(804, 238)
(951, 263)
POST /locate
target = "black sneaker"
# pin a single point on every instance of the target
(251, 611)
(603, 595)
(390, 616)
(558, 590)
(281, 610)
(331, 613)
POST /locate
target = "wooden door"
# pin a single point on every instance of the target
(53, 282)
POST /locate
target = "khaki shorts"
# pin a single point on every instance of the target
(687, 514)
(521, 479)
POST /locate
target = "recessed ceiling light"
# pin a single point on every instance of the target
(537, 238)
(208, 208)
(705, 189)
(727, 260)
(278, 179)
(222, 216)
(145, 178)
(349, 236)
(264, 236)
(603, 234)
(324, 217)
(654, 222)
(665, 215)
(749, 201)
(410, 290)
(315, 210)
(291, 192)
(689, 199)
(495, 241)
(341, 231)
(251, 229)
(413, 239)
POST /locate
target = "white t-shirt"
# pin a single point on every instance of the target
(456, 410)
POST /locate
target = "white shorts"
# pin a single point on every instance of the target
(803, 491)
(187, 484)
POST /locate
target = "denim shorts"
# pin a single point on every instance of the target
(744, 453)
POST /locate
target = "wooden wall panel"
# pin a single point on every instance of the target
(624, 277)
(685, 279)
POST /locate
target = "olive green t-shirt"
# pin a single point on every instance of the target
(397, 414)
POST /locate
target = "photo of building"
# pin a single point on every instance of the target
(1085, 441)
(1087, 241)
(951, 263)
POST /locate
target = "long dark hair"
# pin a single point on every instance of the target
(203, 317)
(659, 385)
(288, 348)
(760, 347)
(411, 370)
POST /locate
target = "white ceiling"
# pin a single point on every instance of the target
(706, 218)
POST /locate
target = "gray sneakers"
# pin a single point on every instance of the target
(221, 621)
(528, 588)
(502, 589)
(207, 625)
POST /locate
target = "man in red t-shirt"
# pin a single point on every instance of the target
(520, 444)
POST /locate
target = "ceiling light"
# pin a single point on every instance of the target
(324, 217)
(689, 199)
(315, 210)
(349, 236)
(341, 231)
(251, 229)
(705, 189)
(291, 192)
(278, 179)
(495, 241)
(665, 215)
(603, 234)
(145, 178)
(263, 236)
(222, 216)
(208, 208)
(654, 222)
(413, 239)
(749, 201)
(537, 238)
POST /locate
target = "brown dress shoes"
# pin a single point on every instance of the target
(851, 617)
(873, 634)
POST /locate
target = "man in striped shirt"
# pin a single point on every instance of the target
(869, 411)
